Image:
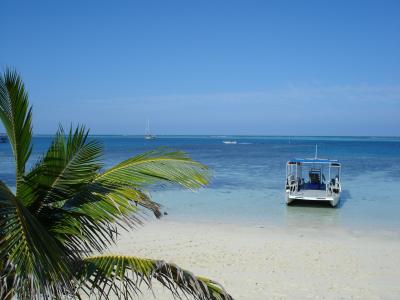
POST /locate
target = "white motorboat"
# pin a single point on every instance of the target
(306, 180)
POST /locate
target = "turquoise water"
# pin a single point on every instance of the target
(249, 178)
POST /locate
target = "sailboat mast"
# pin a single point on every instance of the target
(147, 132)
(148, 135)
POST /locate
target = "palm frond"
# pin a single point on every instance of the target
(157, 166)
(123, 276)
(91, 219)
(139, 198)
(16, 115)
(37, 263)
(70, 163)
(64, 208)
(111, 200)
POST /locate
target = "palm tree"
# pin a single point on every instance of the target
(67, 208)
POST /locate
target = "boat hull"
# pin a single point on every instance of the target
(333, 199)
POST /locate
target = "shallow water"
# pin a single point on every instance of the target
(249, 178)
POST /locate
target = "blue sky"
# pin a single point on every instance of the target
(208, 67)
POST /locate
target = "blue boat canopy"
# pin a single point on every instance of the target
(313, 160)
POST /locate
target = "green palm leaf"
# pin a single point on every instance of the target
(124, 275)
(37, 262)
(16, 116)
(90, 220)
(64, 209)
(90, 216)
(157, 166)
(70, 163)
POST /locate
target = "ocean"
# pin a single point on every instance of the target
(249, 177)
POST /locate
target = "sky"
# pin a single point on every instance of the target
(208, 67)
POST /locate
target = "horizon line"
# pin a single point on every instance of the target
(228, 135)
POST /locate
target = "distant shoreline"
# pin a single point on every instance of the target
(216, 136)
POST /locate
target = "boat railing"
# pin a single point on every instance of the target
(296, 185)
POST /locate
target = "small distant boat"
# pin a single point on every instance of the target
(148, 135)
(3, 138)
(231, 142)
(305, 180)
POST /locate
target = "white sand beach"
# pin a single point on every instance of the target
(261, 262)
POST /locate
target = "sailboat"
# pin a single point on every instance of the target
(147, 134)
